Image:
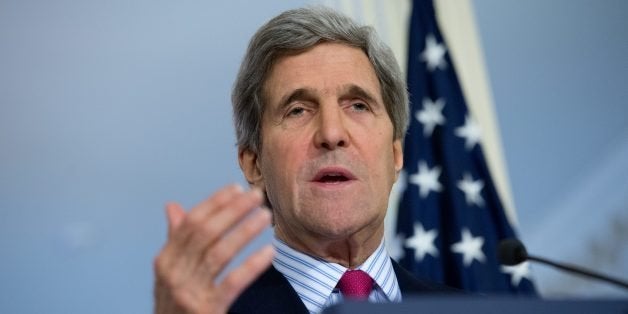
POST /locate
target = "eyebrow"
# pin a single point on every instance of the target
(308, 94)
(352, 91)
(297, 94)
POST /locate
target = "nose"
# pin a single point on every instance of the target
(331, 130)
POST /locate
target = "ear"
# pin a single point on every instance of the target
(250, 168)
(397, 157)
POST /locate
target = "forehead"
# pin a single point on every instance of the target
(326, 68)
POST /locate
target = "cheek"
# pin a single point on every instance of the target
(279, 165)
(383, 167)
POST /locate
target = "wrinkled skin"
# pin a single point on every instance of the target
(327, 165)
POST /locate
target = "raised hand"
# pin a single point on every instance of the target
(201, 243)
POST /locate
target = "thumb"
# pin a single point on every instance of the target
(175, 215)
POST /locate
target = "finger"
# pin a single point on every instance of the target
(218, 256)
(175, 215)
(180, 256)
(212, 228)
(215, 202)
(241, 277)
(166, 257)
(199, 215)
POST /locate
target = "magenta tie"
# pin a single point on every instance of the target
(355, 284)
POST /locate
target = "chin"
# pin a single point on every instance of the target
(340, 227)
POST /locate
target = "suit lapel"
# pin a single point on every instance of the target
(270, 293)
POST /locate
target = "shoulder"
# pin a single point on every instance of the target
(409, 284)
(270, 293)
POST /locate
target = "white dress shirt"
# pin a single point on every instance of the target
(315, 279)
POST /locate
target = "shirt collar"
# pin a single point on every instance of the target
(314, 279)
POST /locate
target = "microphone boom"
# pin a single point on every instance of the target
(511, 252)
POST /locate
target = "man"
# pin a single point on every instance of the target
(320, 108)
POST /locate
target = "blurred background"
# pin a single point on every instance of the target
(109, 109)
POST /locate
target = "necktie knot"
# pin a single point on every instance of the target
(355, 284)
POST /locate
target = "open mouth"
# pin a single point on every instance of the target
(333, 175)
(333, 178)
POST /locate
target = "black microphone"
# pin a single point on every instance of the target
(512, 252)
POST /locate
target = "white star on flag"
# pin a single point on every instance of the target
(517, 272)
(434, 53)
(447, 205)
(395, 247)
(472, 190)
(470, 131)
(469, 247)
(422, 242)
(431, 115)
(426, 179)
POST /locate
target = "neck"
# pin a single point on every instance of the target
(349, 251)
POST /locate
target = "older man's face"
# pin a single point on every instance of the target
(328, 158)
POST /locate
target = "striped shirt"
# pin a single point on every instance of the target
(315, 279)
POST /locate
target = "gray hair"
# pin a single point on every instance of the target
(297, 30)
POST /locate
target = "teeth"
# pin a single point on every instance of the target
(333, 177)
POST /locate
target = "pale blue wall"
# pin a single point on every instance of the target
(559, 74)
(110, 108)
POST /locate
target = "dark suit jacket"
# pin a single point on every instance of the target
(272, 293)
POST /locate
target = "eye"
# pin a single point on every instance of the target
(295, 112)
(359, 106)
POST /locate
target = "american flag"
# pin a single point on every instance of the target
(450, 218)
